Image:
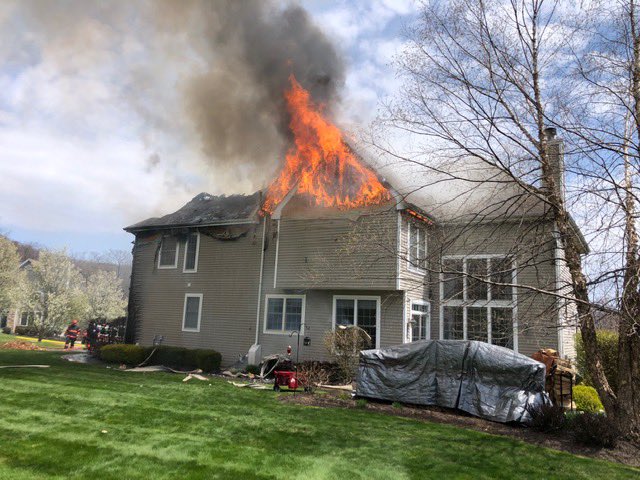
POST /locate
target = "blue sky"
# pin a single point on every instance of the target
(80, 138)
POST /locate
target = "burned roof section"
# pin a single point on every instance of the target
(205, 209)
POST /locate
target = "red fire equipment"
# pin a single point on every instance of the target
(286, 378)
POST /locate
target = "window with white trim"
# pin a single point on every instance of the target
(417, 247)
(192, 313)
(361, 311)
(24, 319)
(418, 326)
(478, 299)
(169, 249)
(284, 313)
(191, 251)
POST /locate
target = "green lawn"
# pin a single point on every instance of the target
(159, 427)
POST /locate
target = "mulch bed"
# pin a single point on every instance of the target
(626, 452)
(20, 345)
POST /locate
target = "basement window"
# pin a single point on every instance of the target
(360, 311)
(192, 312)
(168, 257)
(191, 251)
(473, 306)
(417, 258)
(284, 314)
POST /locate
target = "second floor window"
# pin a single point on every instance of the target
(191, 250)
(417, 247)
(168, 257)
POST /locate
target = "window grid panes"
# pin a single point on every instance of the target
(360, 312)
(417, 247)
(191, 313)
(168, 252)
(474, 309)
(419, 321)
(284, 314)
(191, 252)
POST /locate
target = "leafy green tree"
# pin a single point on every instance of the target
(9, 273)
(105, 298)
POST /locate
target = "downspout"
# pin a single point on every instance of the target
(275, 269)
(264, 231)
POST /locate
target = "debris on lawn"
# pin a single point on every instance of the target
(104, 431)
(20, 345)
(25, 366)
(346, 388)
(254, 386)
(195, 375)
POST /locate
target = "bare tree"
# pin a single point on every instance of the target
(484, 81)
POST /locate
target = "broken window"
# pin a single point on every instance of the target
(192, 312)
(362, 312)
(474, 308)
(168, 257)
(284, 313)
(192, 245)
(417, 247)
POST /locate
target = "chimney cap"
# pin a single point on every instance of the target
(550, 132)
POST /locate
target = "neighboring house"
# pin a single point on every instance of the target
(221, 274)
(15, 316)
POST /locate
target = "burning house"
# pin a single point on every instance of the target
(331, 242)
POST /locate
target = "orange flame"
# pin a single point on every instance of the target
(320, 162)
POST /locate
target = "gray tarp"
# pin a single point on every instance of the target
(485, 380)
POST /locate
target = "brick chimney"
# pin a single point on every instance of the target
(555, 152)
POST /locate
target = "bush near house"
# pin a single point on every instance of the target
(127, 354)
(608, 346)
(177, 357)
(587, 399)
(594, 430)
(547, 418)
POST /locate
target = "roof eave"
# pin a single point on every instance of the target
(242, 221)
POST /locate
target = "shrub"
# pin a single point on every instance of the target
(397, 405)
(344, 345)
(206, 360)
(312, 374)
(253, 369)
(608, 347)
(361, 403)
(547, 418)
(170, 356)
(128, 354)
(6, 330)
(587, 399)
(594, 430)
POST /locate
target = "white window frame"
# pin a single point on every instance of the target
(488, 303)
(427, 315)
(421, 229)
(184, 312)
(186, 249)
(20, 324)
(284, 312)
(355, 311)
(175, 263)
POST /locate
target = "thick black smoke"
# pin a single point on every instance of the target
(236, 102)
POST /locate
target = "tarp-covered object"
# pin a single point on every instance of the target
(485, 380)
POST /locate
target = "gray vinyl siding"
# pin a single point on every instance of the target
(532, 246)
(338, 252)
(568, 310)
(227, 278)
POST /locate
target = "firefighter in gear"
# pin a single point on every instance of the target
(71, 333)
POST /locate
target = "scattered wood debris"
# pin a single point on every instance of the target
(24, 366)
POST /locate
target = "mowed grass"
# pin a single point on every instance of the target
(159, 427)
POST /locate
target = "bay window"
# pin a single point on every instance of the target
(418, 326)
(417, 248)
